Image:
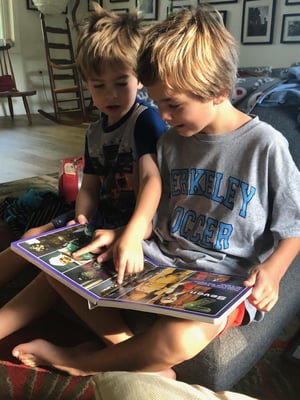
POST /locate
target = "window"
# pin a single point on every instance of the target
(6, 22)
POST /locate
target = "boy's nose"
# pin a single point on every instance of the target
(165, 116)
(111, 93)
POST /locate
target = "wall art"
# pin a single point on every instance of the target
(290, 30)
(258, 21)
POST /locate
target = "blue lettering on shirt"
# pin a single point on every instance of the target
(202, 229)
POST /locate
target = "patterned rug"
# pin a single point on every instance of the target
(273, 378)
(16, 188)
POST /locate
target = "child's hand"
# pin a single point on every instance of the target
(128, 257)
(81, 219)
(101, 244)
(265, 287)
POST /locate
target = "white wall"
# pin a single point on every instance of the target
(29, 54)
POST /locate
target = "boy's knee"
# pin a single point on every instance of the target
(180, 339)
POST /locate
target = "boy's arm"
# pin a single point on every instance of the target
(128, 253)
(87, 199)
(266, 277)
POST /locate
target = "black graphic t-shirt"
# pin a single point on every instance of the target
(112, 154)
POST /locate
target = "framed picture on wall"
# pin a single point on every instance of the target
(291, 2)
(217, 1)
(258, 21)
(148, 9)
(290, 29)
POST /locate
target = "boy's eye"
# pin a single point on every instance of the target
(122, 83)
(174, 105)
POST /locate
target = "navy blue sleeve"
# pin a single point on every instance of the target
(148, 129)
(88, 167)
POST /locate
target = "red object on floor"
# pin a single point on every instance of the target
(70, 178)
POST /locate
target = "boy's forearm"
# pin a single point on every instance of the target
(140, 224)
(284, 255)
(86, 204)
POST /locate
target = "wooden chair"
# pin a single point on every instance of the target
(8, 87)
(65, 81)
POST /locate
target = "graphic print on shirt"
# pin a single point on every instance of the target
(203, 229)
(117, 195)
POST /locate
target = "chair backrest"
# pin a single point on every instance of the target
(7, 77)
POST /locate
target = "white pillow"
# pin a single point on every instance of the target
(121, 385)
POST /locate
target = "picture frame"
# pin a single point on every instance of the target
(90, 8)
(290, 28)
(291, 2)
(30, 5)
(217, 1)
(148, 8)
(258, 21)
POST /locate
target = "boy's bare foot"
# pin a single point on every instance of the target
(39, 352)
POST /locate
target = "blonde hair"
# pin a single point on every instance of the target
(107, 37)
(191, 51)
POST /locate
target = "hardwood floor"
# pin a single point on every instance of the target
(28, 151)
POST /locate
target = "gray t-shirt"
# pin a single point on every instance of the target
(227, 199)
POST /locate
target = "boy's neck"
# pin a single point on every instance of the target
(228, 119)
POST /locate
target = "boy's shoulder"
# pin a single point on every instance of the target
(144, 98)
(94, 126)
(149, 115)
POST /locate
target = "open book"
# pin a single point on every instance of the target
(189, 294)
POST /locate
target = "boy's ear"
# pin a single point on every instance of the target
(220, 99)
(140, 86)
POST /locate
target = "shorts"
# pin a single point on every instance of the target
(235, 318)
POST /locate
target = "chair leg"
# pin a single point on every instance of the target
(10, 105)
(27, 109)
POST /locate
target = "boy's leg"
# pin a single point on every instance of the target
(11, 263)
(32, 302)
(106, 323)
(167, 342)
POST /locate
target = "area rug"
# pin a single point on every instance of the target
(273, 378)
(16, 188)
